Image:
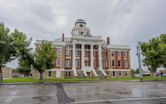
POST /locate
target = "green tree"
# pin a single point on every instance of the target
(154, 53)
(7, 50)
(25, 57)
(26, 63)
(162, 48)
(10, 45)
(44, 57)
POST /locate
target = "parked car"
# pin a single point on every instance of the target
(163, 75)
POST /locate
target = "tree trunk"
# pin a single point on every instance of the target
(41, 75)
(1, 74)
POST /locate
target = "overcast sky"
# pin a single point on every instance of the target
(124, 21)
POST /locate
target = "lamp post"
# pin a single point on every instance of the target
(139, 61)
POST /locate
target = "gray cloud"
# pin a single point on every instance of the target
(125, 21)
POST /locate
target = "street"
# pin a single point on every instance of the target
(85, 93)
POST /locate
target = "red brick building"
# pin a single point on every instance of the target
(84, 55)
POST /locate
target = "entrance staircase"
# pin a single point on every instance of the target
(101, 75)
(80, 74)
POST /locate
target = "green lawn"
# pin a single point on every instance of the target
(136, 78)
(18, 80)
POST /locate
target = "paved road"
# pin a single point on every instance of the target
(85, 93)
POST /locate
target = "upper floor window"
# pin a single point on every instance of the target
(81, 25)
(113, 53)
(58, 62)
(68, 52)
(119, 53)
(113, 63)
(86, 53)
(119, 63)
(77, 53)
(125, 53)
(125, 63)
(86, 62)
(68, 63)
(77, 63)
(59, 51)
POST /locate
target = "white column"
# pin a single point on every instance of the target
(100, 57)
(83, 56)
(92, 59)
(74, 60)
(83, 59)
(100, 60)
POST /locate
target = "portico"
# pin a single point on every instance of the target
(88, 67)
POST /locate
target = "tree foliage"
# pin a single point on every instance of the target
(154, 52)
(12, 45)
(7, 49)
(25, 57)
(44, 57)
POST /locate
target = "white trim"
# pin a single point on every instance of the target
(118, 70)
(55, 69)
(119, 46)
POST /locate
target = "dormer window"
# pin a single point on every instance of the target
(81, 25)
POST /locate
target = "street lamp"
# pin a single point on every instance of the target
(139, 61)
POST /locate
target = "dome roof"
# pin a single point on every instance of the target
(80, 21)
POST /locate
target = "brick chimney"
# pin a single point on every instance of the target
(63, 37)
(108, 40)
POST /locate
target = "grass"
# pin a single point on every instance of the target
(25, 80)
(137, 78)
(17, 80)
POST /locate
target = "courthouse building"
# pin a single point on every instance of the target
(87, 55)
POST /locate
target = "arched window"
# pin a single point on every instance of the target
(81, 25)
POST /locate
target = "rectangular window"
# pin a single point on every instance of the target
(86, 53)
(113, 63)
(77, 53)
(58, 62)
(68, 74)
(125, 63)
(68, 52)
(120, 73)
(113, 53)
(59, 53)
(126, 74)
(113, 73)
(119, 62)
(125, 54)
(86, 62)
(119, 53)
(49, 73)
(77, 63)
(68, 63)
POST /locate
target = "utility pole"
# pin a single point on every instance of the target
(139, 61)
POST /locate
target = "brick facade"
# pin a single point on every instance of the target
(111, 60)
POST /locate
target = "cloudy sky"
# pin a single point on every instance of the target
(124, 21)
